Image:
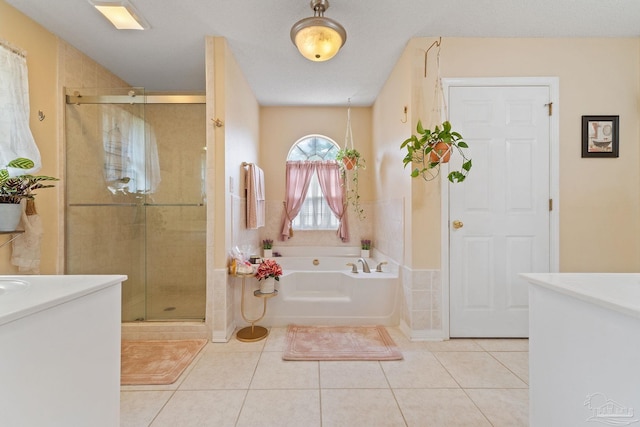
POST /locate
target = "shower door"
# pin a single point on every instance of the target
(135, 202)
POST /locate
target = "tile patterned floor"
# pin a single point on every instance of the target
(462, 382)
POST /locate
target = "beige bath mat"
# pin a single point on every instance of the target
(339, 343)
(156, 361)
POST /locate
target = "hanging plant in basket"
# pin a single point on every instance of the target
(349, 158)
(351, 162)
(432, 147)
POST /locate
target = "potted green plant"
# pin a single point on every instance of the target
(365, 247)
(13, 189)
(431, 148)
(351, 162)
(267, 246)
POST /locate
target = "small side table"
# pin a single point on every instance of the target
(253, 333)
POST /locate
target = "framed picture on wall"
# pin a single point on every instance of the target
(600, 136)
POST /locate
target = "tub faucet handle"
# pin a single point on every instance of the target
(379, 267)
(354, 268)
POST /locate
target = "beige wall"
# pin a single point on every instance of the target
(235, 142)
(52, 64)
(230, 100)
(238, 109)
(393, 183)
(599, 198)
(41, 47)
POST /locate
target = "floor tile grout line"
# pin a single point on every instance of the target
(393, 393)
(435, 356)
(507, 368)
(181, 379)
(462, 388)
(253, 374)
(155, 417)
(494, 358)
(320, 393)
(244, 400)
(476, 405)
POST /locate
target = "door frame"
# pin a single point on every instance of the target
(554, 177)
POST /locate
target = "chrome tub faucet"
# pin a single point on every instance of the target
(365, 266)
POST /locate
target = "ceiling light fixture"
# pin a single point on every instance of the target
(318, 38)
(121, 14)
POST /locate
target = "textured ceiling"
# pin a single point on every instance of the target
(170, 56)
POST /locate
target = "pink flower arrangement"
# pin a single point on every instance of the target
(269, 268)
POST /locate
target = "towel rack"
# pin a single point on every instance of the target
(16, 234)
(245, 164)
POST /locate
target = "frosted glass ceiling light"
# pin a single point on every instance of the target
(121, 14)
(318, 38)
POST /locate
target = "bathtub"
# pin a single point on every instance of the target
(324, 291)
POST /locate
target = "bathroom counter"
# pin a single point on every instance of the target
(46, 291)
(584, 342)
(60, 350)
(615, 291)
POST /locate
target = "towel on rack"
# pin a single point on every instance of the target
(254, 183)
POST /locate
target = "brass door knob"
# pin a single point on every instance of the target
(457, 224)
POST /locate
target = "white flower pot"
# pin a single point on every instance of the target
(268, 285)
(10, 214)
(364, 253)
(267, 253)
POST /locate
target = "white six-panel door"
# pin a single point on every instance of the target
(502, 207)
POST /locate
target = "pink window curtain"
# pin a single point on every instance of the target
(297, 183)
(333, 189)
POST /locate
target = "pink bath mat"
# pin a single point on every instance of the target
(156, 361)
(339, 343)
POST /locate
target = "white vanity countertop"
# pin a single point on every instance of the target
(615, 291)
(46, 291)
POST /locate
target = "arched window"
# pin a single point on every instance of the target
(315, 213)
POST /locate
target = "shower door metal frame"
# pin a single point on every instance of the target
(134, 98)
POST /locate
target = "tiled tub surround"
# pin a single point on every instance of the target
(383, 223)
(422, 299)
(323, 290)
(470, 382)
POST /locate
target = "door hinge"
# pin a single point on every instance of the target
(550, 205)
(550, 107)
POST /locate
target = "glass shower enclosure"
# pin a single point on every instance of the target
(135, 197)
